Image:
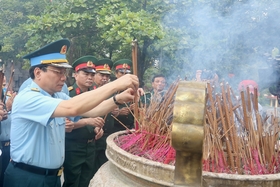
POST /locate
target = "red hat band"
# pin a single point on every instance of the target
(123, 66)
(103, 67)
(88, 64)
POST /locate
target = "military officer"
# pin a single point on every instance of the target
(123, 67)
(38, 116)
(157, 93)
(102, 76)
(79, 153)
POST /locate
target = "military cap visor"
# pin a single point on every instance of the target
(53, 54)
(88, 70)
(104, 72)
(126, 71)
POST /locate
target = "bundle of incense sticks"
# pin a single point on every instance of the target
(238, 139)
(152, 139)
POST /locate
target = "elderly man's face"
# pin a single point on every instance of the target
(51, 78)
(84, 79)
(100, 78)
(159, 84)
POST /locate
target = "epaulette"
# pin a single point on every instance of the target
(35, 89)
(70, 88)
(9, 94)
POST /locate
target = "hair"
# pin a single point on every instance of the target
(40, 66)
(156, 76)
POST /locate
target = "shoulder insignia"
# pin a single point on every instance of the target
(35, 89)
(70, 88)
(9, 94)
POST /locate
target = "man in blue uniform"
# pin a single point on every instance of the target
(38, 116)
(79, 152)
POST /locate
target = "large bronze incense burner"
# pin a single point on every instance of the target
(127, 170)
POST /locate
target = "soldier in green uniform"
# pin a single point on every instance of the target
(157, 94)
(102, 76)
(123, 67)
(79, 152)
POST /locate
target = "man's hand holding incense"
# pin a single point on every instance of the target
(124, 111)
(96, 122)
(99, 132)
(125, 96)
(116, 111)
(127, 81)
(69, 125)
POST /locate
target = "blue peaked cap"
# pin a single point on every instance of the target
(53, 54)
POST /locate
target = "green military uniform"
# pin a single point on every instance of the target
(103, 66)
(124, 66)
(80, 143)
(146, 99)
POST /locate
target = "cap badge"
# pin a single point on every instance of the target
(63, 49)
(106, 66)
(125, 66)
(89, 64)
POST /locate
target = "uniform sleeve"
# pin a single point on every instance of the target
(34, 106)
(64, 96)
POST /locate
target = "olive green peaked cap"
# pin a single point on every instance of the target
(85, 63)
(104, 66)
(123, 65)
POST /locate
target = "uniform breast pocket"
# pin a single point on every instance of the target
(56, 130)
(60, 121)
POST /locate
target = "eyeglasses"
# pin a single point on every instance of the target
(59, 73)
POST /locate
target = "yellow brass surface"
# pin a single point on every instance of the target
(187, 132)
(188, 169)
(188, 138)
(188, 113)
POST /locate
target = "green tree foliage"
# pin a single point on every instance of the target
(229, 36)
(13, 14)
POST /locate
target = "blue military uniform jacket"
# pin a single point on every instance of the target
(37, 138)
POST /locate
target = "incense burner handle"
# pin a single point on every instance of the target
(188, 132)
